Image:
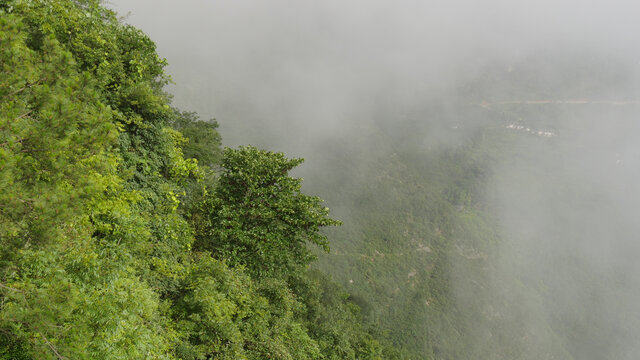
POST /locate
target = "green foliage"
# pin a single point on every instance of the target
(203, 139)
(222, 313)
(257, 217)
(102, 188)
(54, 138)
(58, 168)
(335, 321)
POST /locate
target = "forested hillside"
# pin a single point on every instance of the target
(127, 232)
(483, 187)
(493, 238)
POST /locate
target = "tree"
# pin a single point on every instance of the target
(257, 217)
(203, 139)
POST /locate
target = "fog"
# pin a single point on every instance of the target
(316, 68)
(558, 78)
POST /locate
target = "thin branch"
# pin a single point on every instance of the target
(7, 142)
(28, 85)
(18, 91)
(23, 115)
(10, 288)
(52, 347)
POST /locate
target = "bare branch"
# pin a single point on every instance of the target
(53, 348)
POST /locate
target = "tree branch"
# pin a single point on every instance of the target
(10, 288)
(53, 348)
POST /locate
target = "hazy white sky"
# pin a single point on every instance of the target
(298, 64)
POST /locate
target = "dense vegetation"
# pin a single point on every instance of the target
(127, 232)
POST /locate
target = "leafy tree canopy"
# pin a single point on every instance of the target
(258, 218)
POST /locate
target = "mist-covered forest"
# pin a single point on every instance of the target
(319, 180)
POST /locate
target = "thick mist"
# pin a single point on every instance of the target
(567, 206)
(556, 82)
(301, 71)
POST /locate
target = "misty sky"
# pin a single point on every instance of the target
(316, 67)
